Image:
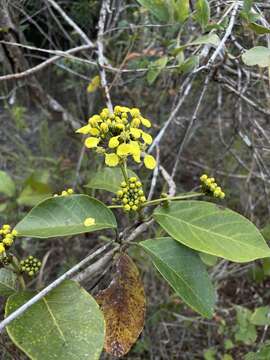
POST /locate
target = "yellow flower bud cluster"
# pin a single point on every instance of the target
(131, 194)
(7, 236)
(119, 135)
(210, 186)
(65, 193)
(30, 265)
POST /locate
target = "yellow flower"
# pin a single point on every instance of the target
(124, 149)
(104, 127)
(111, 160)
(135, 122)
(94, 131)
(94, 120)
(135, 112)
(203, 177)
(149, 162)
(64, 193)
(14, 232)
(84, 130)
(113, 142)
(147, 138)
(8, 241)
(136, 133)
(89, 222)
(146, 122)
(70, 191)
(105, 113)
(2, 248)
(91, 142)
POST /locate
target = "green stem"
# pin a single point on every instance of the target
(171, 198)
(16, 267)
(115, 206)
(123, 167)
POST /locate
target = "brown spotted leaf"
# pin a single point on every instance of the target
(123, 305)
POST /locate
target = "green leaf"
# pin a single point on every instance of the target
(67, 324)
(211, 39)
(36, 189)
(8, 282)
(258, 55)
(213, 229)
(7, 185)
(108, 179)
(258, 29)
(245, 331)
(261, 316)
(161, 9)
(202, 12)
(208, 259)
(65, 215)
(181, 10)
(210, 354)
(155, 69)
(189, 64)
(184, 271)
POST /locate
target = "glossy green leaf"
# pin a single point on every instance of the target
(65, 215)
(7, 185)
(259, 55)
(202, 12)
(67, 324)
(213, 229)
(184, 271)
(8, 282)
(261, 316)
(108, 179)
(155, 69)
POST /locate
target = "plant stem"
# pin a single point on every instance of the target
(123, 167)
(16, 267)
(172, 198)
(115, 206)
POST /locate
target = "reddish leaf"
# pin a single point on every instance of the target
(123, 305)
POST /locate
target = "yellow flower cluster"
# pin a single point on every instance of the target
(209, 185)
(65, 193)
(119, 135)
(131, 194)
(6, 237)
(30, 265)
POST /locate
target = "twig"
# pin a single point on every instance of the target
(100, 50)
(78, 30)
(42, 65)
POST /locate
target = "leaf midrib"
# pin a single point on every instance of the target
(205, 230)
(188, 286)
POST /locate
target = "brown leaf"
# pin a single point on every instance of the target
(123, 305)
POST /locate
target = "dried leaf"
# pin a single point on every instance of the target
(123, 305)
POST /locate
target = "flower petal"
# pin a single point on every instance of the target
(111, 159)
(91, 142)
(147, 138)
(149, 162)
(84, 130)
(113, 142)
(146, 122)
